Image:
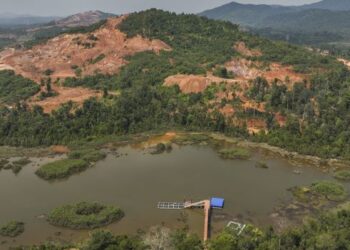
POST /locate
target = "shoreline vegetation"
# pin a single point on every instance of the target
(86, 215)
(12, 229)
(328, 230)
(180, 137)
(15, 165)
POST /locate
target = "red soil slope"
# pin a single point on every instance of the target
(65, 53)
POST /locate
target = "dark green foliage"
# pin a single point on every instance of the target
(97, 59)
(323, 107)
(317, 111)
(48, 72)
(49, 92)
(61, 169)
(303, 60)
(199, 39)
(45, 246)
(331, 190)
(84, 215)
(98, 81)
(259, 89)
(137, 109)
(12, 229)
(181, 240)
(14, 88)
(160, 148)
(222, 72)
(105, 240)
(328, 231)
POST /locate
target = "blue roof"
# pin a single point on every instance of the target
(217, 202)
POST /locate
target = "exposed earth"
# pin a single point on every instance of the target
(102, 51)
(244, 71)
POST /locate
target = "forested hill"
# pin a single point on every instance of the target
(319, 23)
(341, 5)
(210, 77)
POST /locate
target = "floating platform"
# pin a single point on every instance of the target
(171, 205)
(216, 202)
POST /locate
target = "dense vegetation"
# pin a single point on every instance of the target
(331, 190)
(12, 229)
(317, 116)
(61, 169)
(137, 109)
(328, 231)
(84, 215)
(316, 111)
(14, 88)
(320, 194)
(98, 81)
(98, 240)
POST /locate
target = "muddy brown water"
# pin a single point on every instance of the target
(136, 181)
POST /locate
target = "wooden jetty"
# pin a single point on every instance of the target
(205, 204)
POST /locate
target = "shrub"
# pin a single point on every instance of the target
(15, 88)
(343, 175)
(84, 215)
(97, 59)
(16, 169)
(261, 165)
(61, 169)
(106, 240)
(21, 162)
(3, 163)
(331, 190)
(12, 229)
(89, 155)
(181, 240)
(235, 153)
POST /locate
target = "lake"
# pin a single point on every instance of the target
(137, 180)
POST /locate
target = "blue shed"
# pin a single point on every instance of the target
(217, 202)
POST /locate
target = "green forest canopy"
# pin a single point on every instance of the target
(198, 45)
